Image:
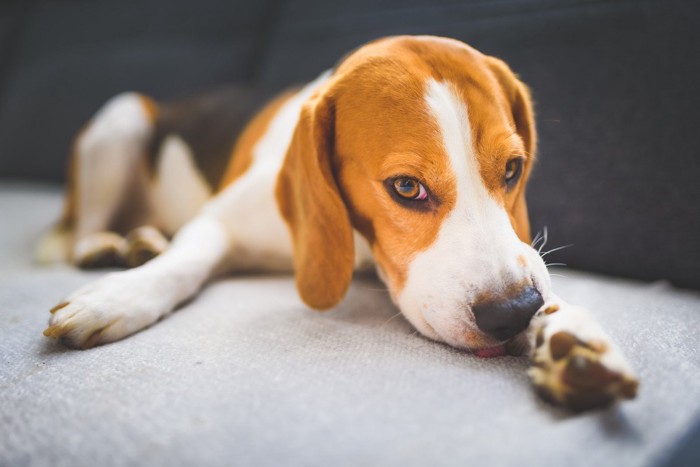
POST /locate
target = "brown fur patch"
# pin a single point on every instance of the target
(210, 124)
(242, 154)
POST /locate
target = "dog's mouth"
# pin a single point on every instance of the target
(515, 347)
(490, 352)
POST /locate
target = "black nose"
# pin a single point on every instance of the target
(504, 319)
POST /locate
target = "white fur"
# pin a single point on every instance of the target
(124, 302)
(248, 208)
(476, 249)
(108, 153)
(240, 228)
(180, 190)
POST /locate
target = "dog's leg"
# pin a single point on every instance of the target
(125, 302)
(107, 166)
(574, 362)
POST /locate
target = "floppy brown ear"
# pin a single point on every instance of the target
(310, 202)
(518, 96)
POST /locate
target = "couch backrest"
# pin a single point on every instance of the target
(63, 59)
(615, 84)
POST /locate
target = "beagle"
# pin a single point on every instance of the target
(411, 155)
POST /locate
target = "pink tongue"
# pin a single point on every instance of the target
(497, 351)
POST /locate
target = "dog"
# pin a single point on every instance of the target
(412, 154)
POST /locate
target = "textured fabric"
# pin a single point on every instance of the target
(246, 375)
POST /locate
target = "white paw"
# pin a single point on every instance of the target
(107, 310)
(575, 364)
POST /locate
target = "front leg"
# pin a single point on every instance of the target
(574, 363)
(123, 303)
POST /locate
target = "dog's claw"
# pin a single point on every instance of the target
(58, 307)
(53, 331)
(93, 340)
(106, 310)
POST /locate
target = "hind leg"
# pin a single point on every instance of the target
(110, 249)
(110, 181)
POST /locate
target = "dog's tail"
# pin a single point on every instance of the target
(54, 245)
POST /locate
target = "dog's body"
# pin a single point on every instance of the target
(412, 155)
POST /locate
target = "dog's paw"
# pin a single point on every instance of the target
(144, 244)
(100, 250)
(576, 365)
(106, 310)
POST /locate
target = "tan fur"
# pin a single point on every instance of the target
(311, 203)
(520, 102)
(359, 132)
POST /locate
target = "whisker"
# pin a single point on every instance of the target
(545, 237)
(385, 322)
(554, 264)
(536, 239)
(558, 275)
(555, 249)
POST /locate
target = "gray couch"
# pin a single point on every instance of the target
(246, 375)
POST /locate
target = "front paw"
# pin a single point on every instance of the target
(576, 365)
(104, 311)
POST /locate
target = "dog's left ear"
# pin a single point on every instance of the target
(518, 97)
(310, 202)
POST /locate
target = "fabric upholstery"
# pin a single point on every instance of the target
(246, 375)
(615, 85)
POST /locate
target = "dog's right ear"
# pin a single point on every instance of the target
(520, 101)
(310, 202)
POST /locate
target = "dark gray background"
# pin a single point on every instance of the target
(615, 83)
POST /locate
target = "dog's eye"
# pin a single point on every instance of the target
(410, 188)
(514, 169)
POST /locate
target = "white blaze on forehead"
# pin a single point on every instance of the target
(451, 114)
(475, 249)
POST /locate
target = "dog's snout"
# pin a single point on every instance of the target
(504, 319)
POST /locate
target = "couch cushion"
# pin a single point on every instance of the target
(247, 375)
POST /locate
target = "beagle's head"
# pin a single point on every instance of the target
(424, 146)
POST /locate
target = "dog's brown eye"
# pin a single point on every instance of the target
(514, 169)
(409, 188)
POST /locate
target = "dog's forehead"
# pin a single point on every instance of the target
(382, 89)
(398, 68)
